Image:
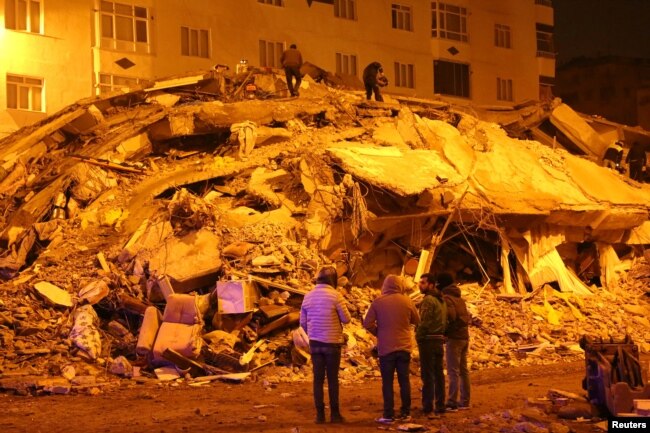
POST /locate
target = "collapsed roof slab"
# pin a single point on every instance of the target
(209, 117)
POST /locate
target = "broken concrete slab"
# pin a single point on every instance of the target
(54, 294)
(190, 262)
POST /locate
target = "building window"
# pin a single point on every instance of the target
(448, 21)
(404, 75)
(345, 9)
(450, 78)
(346, 64)
(270, 53)
(25, 15)
(25, 93)
(548, 3)
(110, 83)
(402, 17)
(504, 89)
(502, 36)
(272, 2)
(545, 45)
(195, 42)
(546, 87)
(124, 26)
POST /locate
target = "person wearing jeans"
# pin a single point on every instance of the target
(457, 343)
(322, 316)
(430, 335)
(390, 317)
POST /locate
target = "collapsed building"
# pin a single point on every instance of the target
(182, 223)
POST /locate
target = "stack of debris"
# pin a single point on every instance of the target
(179, 225)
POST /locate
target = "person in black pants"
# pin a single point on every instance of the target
(373, 79)
(637, 159)
(390, 317)
(431, 340)
(322, 316)
(291, 60)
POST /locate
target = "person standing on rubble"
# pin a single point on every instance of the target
(390, 317)
(637, 159)
(430, 336)
(373, 79)
(613, 156)
(458, 320)
(291, 60)
(322, 316)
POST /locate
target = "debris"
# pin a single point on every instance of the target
(85, 332)
(54, 294)
(121, 367)
(94, 292)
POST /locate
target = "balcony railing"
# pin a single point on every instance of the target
(546, 54)
(548, 3)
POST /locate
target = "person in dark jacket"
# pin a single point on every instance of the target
(322, 316)
(373, 79)
(637, 159)
(613, 156)
(291, 60)
(458, 319)
(430, 336)
(390, 317)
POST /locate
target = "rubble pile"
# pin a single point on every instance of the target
(172, 231)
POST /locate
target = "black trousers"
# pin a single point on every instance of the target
(291, 72)
(388, 364)
(326, 360)
(373, 88)
(433, 377)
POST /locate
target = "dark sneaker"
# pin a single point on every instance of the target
(320, 418)
(404, 418)
(385, 420)
(440, 411)
(461, 407)
(336, 418)
(451, 408)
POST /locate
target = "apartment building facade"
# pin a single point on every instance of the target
(486, 52)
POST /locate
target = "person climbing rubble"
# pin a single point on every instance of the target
(457, 333)
(430, 336)
(390, 317)
(614, 156)
(322, 316)
(637, 159)
(291, 60)
(373, 79)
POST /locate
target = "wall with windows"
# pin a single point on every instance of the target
(45, 58)
(478, 51)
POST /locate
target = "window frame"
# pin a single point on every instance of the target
(545, 40)
(346, 64)
(404, 75)
(502, 36)
(505, 91)
(134, 42)
(21, 84)
(460, 69)
(278, 49)
(440, 14)
(199, 32)
(345, 9)
(12, 22)
(400, 11)
(105, 88)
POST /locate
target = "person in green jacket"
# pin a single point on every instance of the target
(430, 336)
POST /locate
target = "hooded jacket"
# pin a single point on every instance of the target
(458, 316)
(390, 317)
(323, 314)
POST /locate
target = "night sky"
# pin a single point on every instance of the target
(593, 28)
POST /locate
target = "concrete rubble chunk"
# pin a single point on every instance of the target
(94, 292)
(54, 294)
